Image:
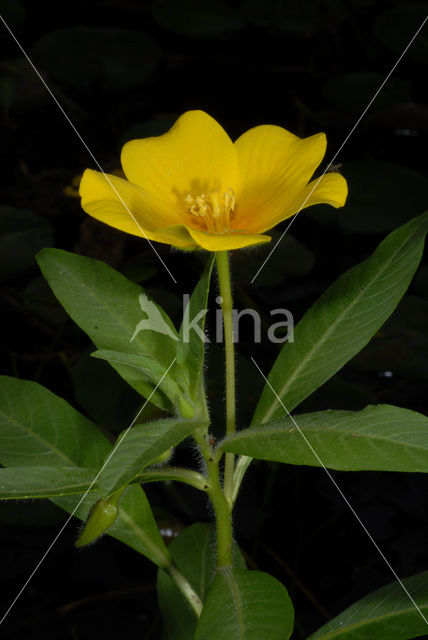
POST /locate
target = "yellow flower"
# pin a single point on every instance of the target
(193, 187)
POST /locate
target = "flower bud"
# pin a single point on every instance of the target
(101, 517)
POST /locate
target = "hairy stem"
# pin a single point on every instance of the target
(221, 496)
(223, 271)
(167, 474)
(223, 515)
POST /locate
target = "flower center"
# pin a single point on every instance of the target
(214, 209)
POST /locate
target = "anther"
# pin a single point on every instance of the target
(215, 208)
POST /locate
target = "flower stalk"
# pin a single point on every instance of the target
(223, 515)
(223, 271)
(221, 496)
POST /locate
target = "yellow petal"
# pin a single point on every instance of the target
(226, 242)
(124, 206)
(195, 156)
(275, 166)
(330, 188)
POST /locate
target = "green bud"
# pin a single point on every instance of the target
(101, 517)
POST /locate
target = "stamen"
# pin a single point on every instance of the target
(214, 208)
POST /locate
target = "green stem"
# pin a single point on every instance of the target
(223, 515)
(193, 478)
(223, 271)
(221, 497)
(185, 588)
(164, 560)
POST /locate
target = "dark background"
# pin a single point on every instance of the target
(310, 66)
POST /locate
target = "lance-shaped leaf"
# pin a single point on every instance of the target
(147, 368)
(45, 482)
(193, 554)
(138, 447)
(107, 307)
(191, 345)
(39, 428)
(246, 605)
(385, 614)
(380, 437)
(343, 320)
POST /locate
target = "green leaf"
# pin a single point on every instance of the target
(343, 320)
(246, 605)
(22, 234)
(44, 482)
(385, 614)
(135, 525)
(193, 554)
(147, 368)
(139, 447)
(191, 347)
(38, 428)
(106, 306)
(381, 437)
(104, 396)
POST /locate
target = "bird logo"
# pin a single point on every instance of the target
(154, 321)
